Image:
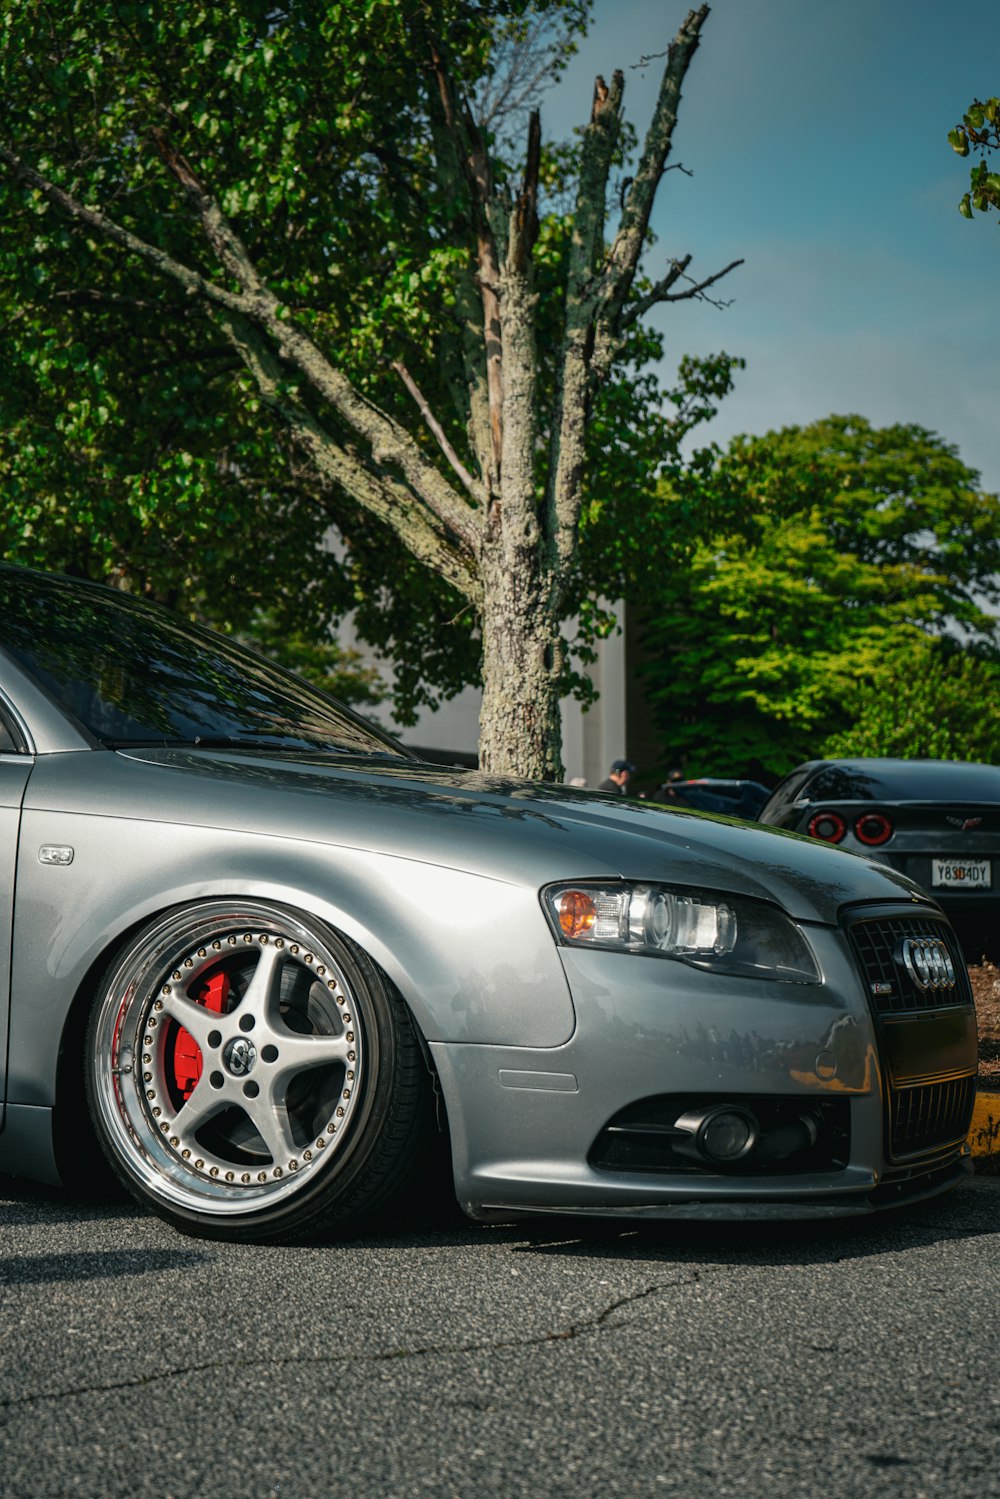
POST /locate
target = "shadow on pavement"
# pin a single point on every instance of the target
(45, 1269)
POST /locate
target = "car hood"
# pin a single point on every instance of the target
(516, 831)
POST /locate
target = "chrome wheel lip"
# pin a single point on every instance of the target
(129, 1064)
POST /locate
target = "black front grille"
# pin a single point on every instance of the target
(930, 1116)
(924, 1114)
(889, 986)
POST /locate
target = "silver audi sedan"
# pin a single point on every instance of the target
(266, 964)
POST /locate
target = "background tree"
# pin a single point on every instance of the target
(980, 132)
(830, 557)
(301, 209)
(931, 701)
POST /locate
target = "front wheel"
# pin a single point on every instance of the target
(252, 1075)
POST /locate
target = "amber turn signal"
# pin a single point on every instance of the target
(577, 913)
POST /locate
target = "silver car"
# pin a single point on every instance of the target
(270, 962)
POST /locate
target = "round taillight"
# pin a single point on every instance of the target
(873, 828)
(829, 826)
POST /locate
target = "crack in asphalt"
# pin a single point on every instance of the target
(592, 1325)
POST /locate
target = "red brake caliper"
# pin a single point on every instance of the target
(187, 1052)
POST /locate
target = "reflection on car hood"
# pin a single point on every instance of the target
(504, 829)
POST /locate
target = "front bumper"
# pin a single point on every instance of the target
(524, 1121)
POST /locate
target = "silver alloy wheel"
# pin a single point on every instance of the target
(229, 1057)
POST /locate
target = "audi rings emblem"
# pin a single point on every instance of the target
(928, 962)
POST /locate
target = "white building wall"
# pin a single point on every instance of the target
(591, 740)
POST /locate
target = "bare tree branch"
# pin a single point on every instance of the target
(573, 384)
(475, 489)
(661, 291)
(520, 69)
(475, 164)
(656, 293)
(624, 254)
(697, 289)
(648, 57)
(523, 228)
(519, 530)
(468, 382)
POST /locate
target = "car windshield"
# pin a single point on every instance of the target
(133, 674)
(905, 780)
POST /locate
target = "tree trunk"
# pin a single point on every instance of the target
(519, 730)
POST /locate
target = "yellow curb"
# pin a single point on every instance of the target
(984, 1136)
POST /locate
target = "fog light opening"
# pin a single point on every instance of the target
(723, 1135)
(790, 1139)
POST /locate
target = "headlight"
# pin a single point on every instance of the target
(726, 934)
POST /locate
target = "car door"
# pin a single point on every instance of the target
(15, 767)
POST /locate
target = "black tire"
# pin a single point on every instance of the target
(252, 1075)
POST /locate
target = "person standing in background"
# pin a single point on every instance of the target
(618, 777)
(666, 792)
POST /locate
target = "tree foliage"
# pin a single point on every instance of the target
(828, 556)
(266, 273)
(929, 701)
(980, 132)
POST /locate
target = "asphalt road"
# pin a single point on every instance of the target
(450, 1359)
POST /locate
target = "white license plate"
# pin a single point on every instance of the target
(962, 874)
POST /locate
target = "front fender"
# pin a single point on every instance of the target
(472, 956)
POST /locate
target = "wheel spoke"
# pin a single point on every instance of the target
(198, 1110)
(264, 989)
(300, 1053)
(270, 1119)
(195, 1019)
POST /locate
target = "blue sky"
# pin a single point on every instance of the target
(816, 132)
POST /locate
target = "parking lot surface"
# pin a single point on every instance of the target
(547, 1358)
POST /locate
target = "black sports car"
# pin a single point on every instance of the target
(937, 821)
